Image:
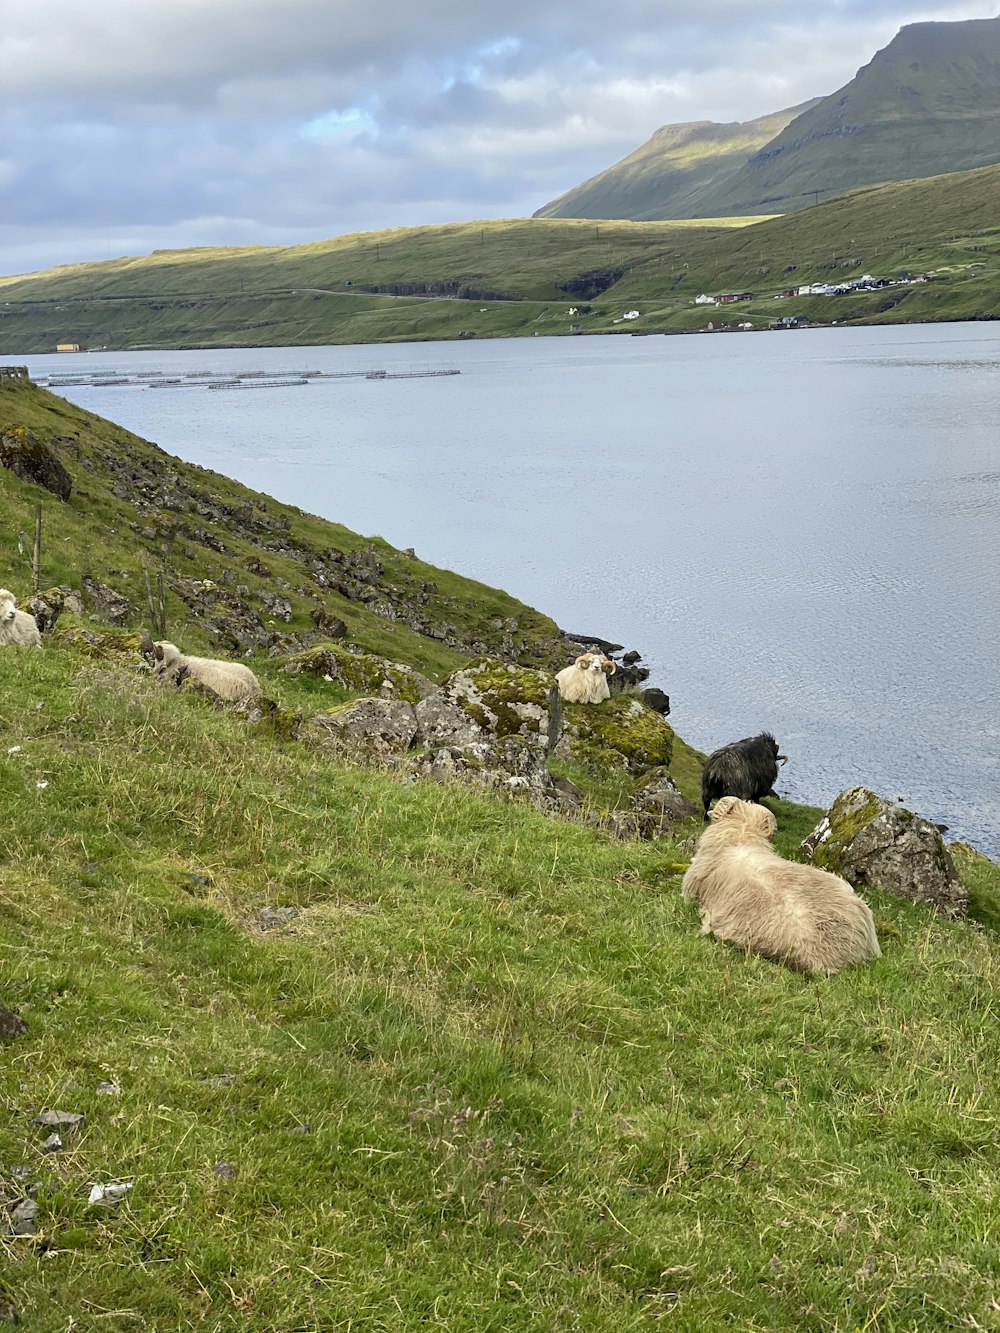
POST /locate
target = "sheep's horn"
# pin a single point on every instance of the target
(612, 666)
(782, 758)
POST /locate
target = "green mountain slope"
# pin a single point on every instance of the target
(548, 267)
(928, 103)
(492, 278)
(670, 174)
(470, 1068)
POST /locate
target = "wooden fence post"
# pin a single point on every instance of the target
(36, 558)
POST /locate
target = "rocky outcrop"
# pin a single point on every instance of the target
(368, 728)
(49, 605)
(33, 460)
(362, 672)
(106, 602)
(659, 797)
(620, 734)
(492, 722)
(872, 842)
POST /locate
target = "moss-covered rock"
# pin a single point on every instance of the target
(870, 841)
(362, 673)
(489, 700)
(622, 733)
(33, 460)
(121, 648)
(368, 728)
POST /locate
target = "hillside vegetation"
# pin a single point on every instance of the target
(925, 105)
(673, 171)
(526, 277)
(386, 1055)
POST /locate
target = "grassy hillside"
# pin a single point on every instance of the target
(668, 175)
(420, 282)
(225, 552)
(477, 1070)
(521, 278)
(928, 103)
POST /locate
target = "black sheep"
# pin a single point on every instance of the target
(747, 769)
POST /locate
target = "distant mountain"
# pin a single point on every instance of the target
(928, 104)
(671, 173)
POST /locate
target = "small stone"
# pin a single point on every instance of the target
(20, 1172)
(59, 1119)
(109, 1195)
(304, 1128)
(271, 918)
(195, 878)
(107, 1089)
(23, 1219)
(224, 1170)
(52, 1144)
(221, 1080)
(12, 1025)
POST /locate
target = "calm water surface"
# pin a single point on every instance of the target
(800, 531)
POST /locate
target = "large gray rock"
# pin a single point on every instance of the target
(375, 728)
(493, 702)
(362, 672)
(660, 797)
(493, 721)
(620, 735)
(33, 460)
(870, 841)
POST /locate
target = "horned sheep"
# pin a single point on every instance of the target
(585, 681)
(232, 681)
(798, 915)
(747, 769)
(16, 627)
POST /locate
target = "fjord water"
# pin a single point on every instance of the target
(799, 530)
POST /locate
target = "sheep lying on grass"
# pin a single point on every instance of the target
(794, 914)
(16, 627)
(231, 681)
(586, 680)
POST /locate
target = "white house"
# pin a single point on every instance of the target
(631, 314)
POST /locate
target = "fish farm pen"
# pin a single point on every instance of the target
(207, 379)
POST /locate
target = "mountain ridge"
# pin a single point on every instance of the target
(926, 104)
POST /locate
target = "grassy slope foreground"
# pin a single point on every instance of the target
(489, 1077)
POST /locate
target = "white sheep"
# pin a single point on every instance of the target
(586, 680)
(16, 627)
(231, 681)
(794, 914)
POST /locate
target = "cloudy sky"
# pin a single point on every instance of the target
(133, 125)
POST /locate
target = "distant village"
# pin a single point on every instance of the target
(866, 283)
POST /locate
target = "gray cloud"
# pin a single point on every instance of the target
(180, 122)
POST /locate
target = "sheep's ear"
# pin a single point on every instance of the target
(723, 807)
(158, 651)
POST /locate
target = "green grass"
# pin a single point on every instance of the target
(536, 1096)
(490, 1076)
